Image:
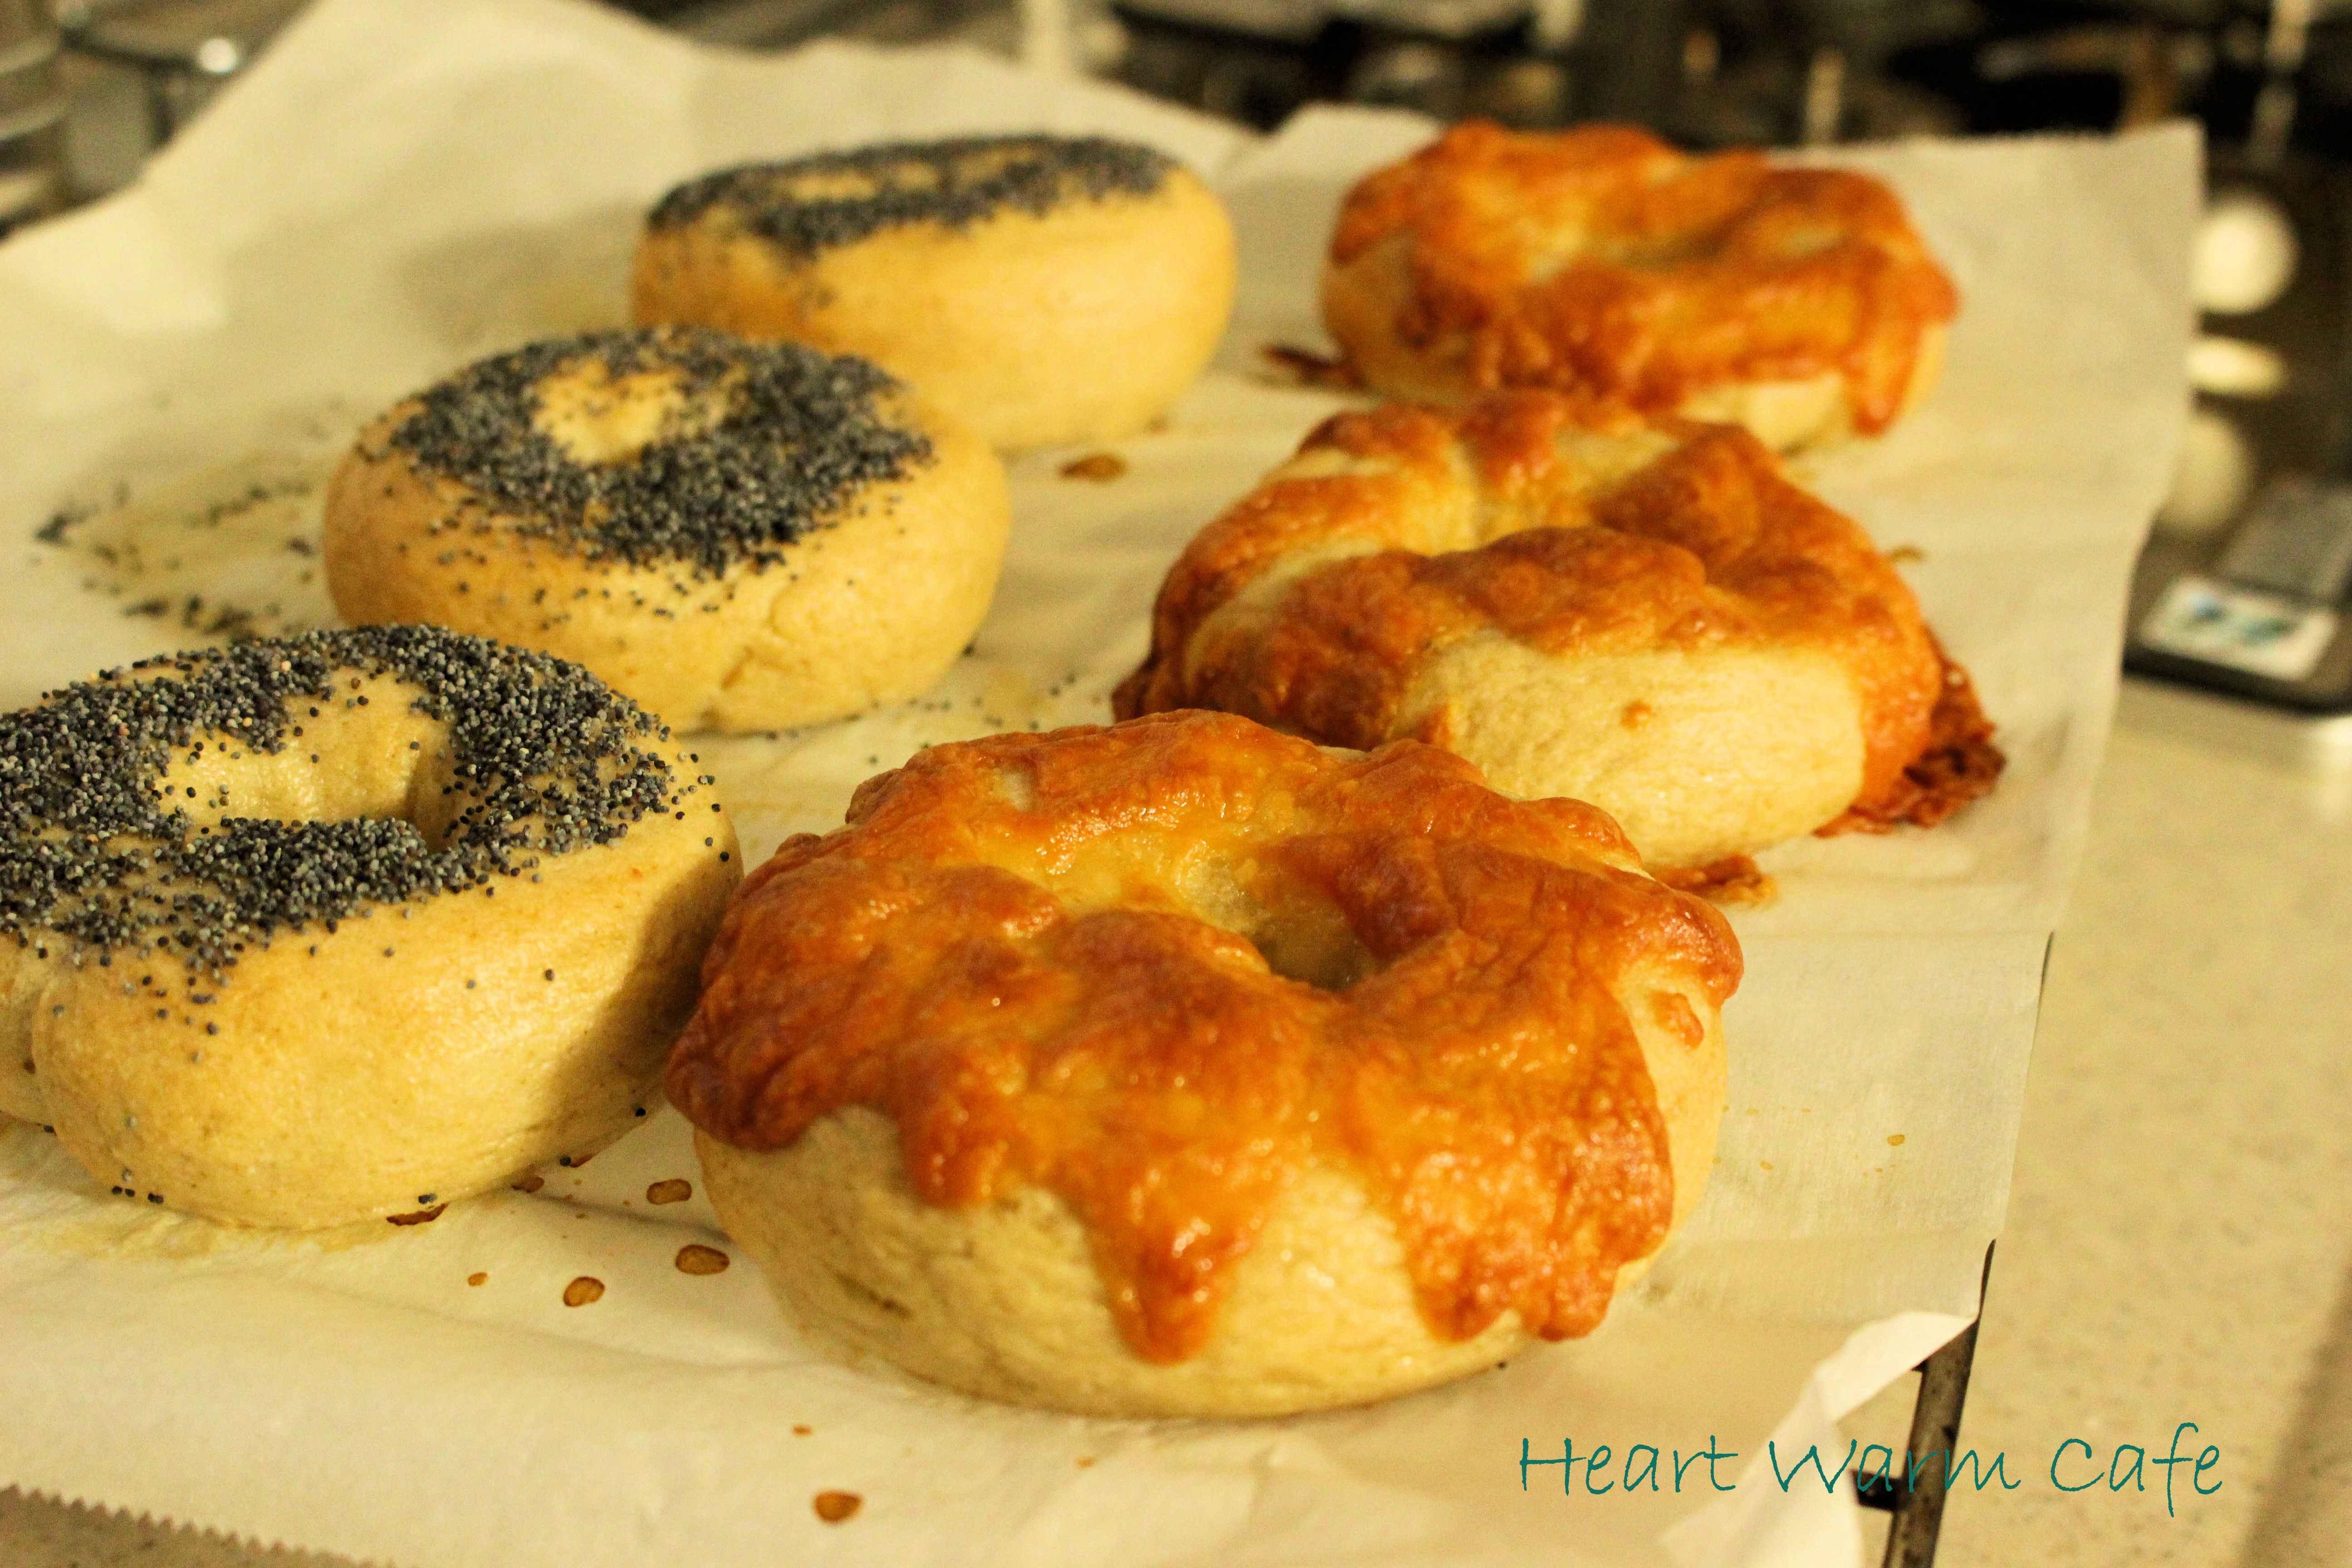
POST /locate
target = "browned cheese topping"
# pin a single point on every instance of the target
(1005, 952)
(1706, 546)
(1603, 260)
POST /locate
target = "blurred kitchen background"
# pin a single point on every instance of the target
(2243, 585)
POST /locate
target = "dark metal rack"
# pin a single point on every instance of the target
(1917, 1510)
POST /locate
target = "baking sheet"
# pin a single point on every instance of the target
(397, 190)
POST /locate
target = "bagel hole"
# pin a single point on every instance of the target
(1318, 952)
(1300, 936)
(377, 757)
(846, 184)
(601, 419)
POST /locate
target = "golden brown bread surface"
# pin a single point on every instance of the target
(1800, 303)
(1643, 614)
(1188, 978)
(1040, 290)
(348, 925)
(739, 536)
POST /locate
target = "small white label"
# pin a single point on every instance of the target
(2261, 634)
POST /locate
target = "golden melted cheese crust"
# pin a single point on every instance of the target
(1601, 259)
(1404, 545)
(1163, 969)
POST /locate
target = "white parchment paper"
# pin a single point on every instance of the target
(398, 190)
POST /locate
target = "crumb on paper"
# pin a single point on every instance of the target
(1304, 367)
(800, 1431)
(835, 1507)
(531, 1183)
(676, 1190)
(1085, 1461)
(583, 1290)
(1903, 552)
(696, 1259)
(422, 1216)
(477, 1278)
(1101, 467)
(1894, 1140)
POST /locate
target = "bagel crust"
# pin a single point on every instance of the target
(739, 536)
(345, 926)
(1799, 303)
(1042, 290)
(1185, 1068)
(1645, 616)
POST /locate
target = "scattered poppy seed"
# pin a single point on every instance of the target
(536, 740)
(952, 184)
(800, 433)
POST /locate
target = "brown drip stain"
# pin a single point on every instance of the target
(583, 1290)
(1304, 367)
(676, 1190)
(834, 1507)
(422, 1216)
(531, 1183)
(696, 1259)
(1101, 467)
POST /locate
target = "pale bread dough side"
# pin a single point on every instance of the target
(1004, 1300)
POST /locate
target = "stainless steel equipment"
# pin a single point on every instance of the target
(32, 114)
